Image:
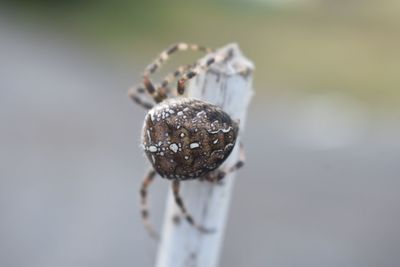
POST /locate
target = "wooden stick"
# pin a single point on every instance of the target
(229, 85)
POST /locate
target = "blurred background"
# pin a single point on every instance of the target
(320, 187)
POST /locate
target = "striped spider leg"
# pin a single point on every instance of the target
(214, 177)
(201, 67)
(158, 94)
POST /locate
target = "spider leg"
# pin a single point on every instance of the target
(134, 94)
(199, 68)
(242, 158)
(158, 62)
(220, 174)
(143, 200)
(181, 205)
(151, 89)
(168, 79)
(160, 94)
(164, 56)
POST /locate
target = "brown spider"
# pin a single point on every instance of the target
(183, 138)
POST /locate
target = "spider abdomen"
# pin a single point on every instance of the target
(186, 138)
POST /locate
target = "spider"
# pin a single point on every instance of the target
(183, 138)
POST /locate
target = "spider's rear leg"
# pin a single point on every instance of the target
(143, 201)
(218, 175)
(181, 205)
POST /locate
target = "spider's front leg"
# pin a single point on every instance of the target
(136, 95)
(160, 60)
(164, 55)
(160, 94)
(198, 68)
(163, 91)
(168, 79)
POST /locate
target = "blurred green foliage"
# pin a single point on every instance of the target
(312, 45)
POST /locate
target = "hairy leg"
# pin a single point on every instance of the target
(164, 55)
(160, 60)
(218, 175)
(200, 67)
(181, 205)
(168, 79)
(143, 200)
(135, 95)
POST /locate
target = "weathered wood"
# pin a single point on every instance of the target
(229, 85)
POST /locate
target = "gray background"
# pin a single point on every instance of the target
(320, 186)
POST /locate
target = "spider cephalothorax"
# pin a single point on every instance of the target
(184, 138)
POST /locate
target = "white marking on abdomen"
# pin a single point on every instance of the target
(148, 135)
(194, 145)
(152, 148)
(222, 130)
(173, 147)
